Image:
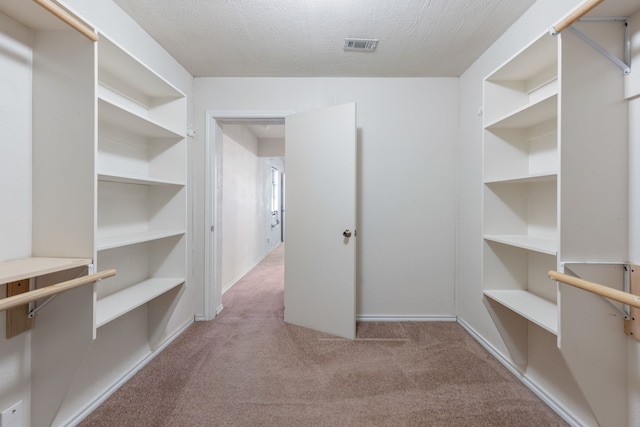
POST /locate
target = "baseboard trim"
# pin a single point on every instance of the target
(396, 318)
(537, 390)
(205, 319)
(77, 419)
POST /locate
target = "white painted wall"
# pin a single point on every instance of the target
(407, 130)
(15, 195)
(271, 147)
(246, 204)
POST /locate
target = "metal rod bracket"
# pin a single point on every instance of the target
(624, 65)
(33, 311)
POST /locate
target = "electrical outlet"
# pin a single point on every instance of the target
(12, 416)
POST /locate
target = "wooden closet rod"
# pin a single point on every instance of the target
(575, 15)
(69, 19)
(605, 291)
(47, 291)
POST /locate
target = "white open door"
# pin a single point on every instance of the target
(320, 249)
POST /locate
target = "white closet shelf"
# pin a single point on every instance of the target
(25, 268)
(111, 242)
(129, 179)
(129, 120)
(116, 61)
(532, 243)
(117, 304)
(537, 57)
(528, 305)
(539, 177)
(529, 115)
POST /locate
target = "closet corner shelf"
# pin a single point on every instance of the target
(128, 179)
(117, 304)
(528, 115)
(134, 238)
(532, 243)
(125, 119)
(115, 60)
(25, 268)
(528, 305)
(538, 177)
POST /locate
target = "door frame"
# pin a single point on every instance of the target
(212, 282)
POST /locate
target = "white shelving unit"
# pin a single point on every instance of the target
(552, 121)
(141, 182)
(520, 182)
(528, 305)
(109, 182)
(554, 193)
(125, 190)
(115, 305)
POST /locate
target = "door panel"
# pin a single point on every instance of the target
(321, 204)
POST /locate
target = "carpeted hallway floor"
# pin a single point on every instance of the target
(249, 368)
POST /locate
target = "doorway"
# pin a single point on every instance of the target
(252, 164)
(266, 128)
(323, 221)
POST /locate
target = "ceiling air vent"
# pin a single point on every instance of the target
(362, 45)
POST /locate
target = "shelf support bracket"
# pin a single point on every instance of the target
(33, 309)
(624, 65)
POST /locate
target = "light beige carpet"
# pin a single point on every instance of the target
(249, 368)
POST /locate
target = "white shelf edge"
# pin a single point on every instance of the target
(500, 123)
(117, 304)
(537, 244)
(538, 177)
(129, 179)
(26, 268)
(152, 83)
(132, 121)
(104, 243)
(528, 305)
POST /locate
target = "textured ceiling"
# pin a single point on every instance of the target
(304, 38)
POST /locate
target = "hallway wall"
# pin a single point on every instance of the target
(247, 235)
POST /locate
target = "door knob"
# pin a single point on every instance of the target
(346, 233)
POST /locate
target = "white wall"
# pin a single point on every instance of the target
(407, 130)
(246, 204)
(15, 195)
(271, 147)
